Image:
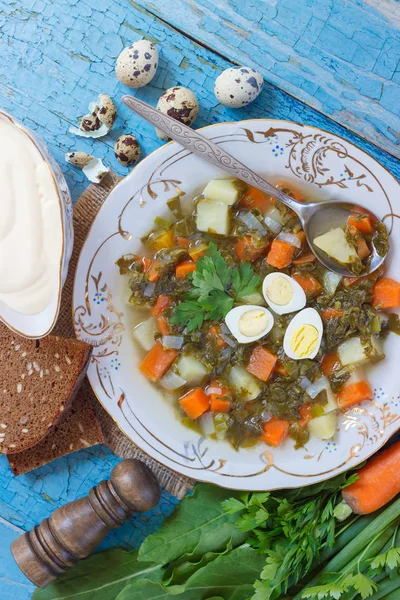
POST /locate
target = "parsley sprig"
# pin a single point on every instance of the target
(216, 286)
(290, 531)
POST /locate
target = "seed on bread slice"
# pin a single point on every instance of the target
(77, 428)
(39, 378)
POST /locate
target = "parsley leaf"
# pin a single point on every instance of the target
(216, 285)
(244, 280)
(190, 313)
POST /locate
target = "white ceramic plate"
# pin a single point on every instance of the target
(40, 324)
(315, 162)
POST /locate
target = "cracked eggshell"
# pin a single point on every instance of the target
(106, 110)
(78, 159)
(237, 87)
(181, 104)
(95, 171)
(90, 126)
(137, 64)
(127, 150)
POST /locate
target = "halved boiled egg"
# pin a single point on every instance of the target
(303, 335)
(283, 294)
(249, 323)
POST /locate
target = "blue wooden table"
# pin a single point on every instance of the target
(334, 64)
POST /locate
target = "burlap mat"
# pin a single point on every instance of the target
(85, 211)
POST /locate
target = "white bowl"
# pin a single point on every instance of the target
(40, 324)
(313, 161)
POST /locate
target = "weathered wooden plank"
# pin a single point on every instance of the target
(57, 55)
(341, 57)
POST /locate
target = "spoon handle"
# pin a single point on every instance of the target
(202, 146)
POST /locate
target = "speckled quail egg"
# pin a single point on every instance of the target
(78, 159)
(283, 294)
(303, 335)
(105, 110)
(238, 87)
(249, 323)
(137, 64)
(179, 103)
(127, 150)
(99, 120)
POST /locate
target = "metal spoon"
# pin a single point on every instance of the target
(316, 218)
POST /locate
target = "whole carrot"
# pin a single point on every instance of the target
(378, 482)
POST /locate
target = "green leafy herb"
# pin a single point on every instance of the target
(229, 577)
(290, 531)
(210, 529)
(102, 576)
(216, 286)
(223, 545)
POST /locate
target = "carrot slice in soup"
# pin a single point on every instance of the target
(310, 285)
(386, 293)
(157, 361)
(305, 259)
(362, 248)
(305, 412)
(146, 264)
(330, 363)
(255, 198)
(281, 254)
(194, 403)
(160, 305)
(362, 223)
(275, 431)
(163, 326)
(153, 273)
(220, 397)
(354, 394)
(215, 332)
(182, 242)
(331, 313)
(246, 250)
(197, 252)
(261, 363)
(184, 268)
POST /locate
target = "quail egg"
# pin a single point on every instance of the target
(99, 120)
(283, 294)
(137, 64)
(179, 103)
(238, 87)
(127, 150)
(303, 335)
(78, 159)
(249, 323)
(105, 110)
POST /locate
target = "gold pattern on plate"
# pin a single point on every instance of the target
(306, 160)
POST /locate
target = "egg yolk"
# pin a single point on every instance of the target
(253, 322)
(304, 340)
(280, 291)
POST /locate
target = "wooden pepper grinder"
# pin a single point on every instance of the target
(74, 530)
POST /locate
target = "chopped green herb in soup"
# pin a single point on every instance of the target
(250, 335)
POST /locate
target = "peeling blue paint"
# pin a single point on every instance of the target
(357, 38)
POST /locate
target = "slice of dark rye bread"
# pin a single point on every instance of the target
(38, 379)
(77, 428)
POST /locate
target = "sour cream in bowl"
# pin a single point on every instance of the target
(36, 234)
